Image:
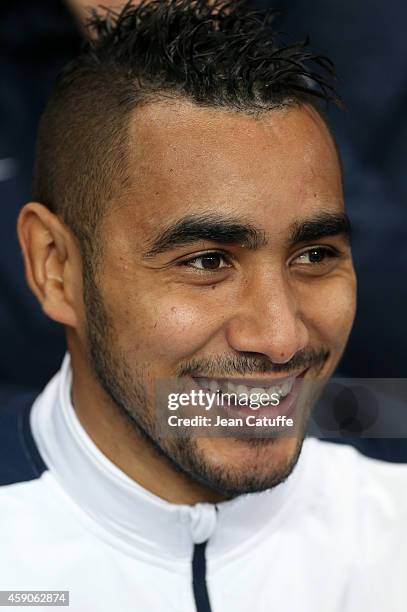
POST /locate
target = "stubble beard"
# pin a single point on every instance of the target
(126, 390)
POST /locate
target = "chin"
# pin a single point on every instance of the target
(236, 466)
(238, 451)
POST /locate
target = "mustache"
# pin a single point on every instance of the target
(252, 364)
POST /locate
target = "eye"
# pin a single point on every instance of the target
(208, 262)
(315, 256)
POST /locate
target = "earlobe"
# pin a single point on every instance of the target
(47, 253)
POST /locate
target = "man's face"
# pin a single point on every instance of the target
(224, 258)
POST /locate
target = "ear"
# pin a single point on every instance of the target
(52, 262)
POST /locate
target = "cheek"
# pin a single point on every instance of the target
(161, 327)
(180, 329)
(330, 311)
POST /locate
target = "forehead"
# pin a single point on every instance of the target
(278, 166)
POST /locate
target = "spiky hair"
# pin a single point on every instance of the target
(213, 53)
(216, 53)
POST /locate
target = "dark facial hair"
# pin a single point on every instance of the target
(127, 390)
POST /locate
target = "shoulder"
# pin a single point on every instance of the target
(363, 505)
(364, 499)
(340, 467)
(20, 460)
(343, 463)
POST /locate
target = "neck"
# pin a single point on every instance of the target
(118, 439)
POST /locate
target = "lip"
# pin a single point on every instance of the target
(253, 382)
(286, 407)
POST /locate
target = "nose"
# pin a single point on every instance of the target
(268, 320)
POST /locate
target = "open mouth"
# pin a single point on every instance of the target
(261, 396)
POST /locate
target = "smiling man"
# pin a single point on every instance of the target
(188, 224)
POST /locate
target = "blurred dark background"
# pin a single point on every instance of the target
(368, 44)
(36, 39)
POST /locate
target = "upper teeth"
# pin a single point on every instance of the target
(227, 386)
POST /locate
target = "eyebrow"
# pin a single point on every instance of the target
(322, 225)
(214, 227)
(229, 230)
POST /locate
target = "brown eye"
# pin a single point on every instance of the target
(208, 261)
(315, 256)
(211, 262)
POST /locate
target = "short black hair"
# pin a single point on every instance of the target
(213, 53)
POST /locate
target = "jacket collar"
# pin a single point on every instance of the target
(131, 516)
